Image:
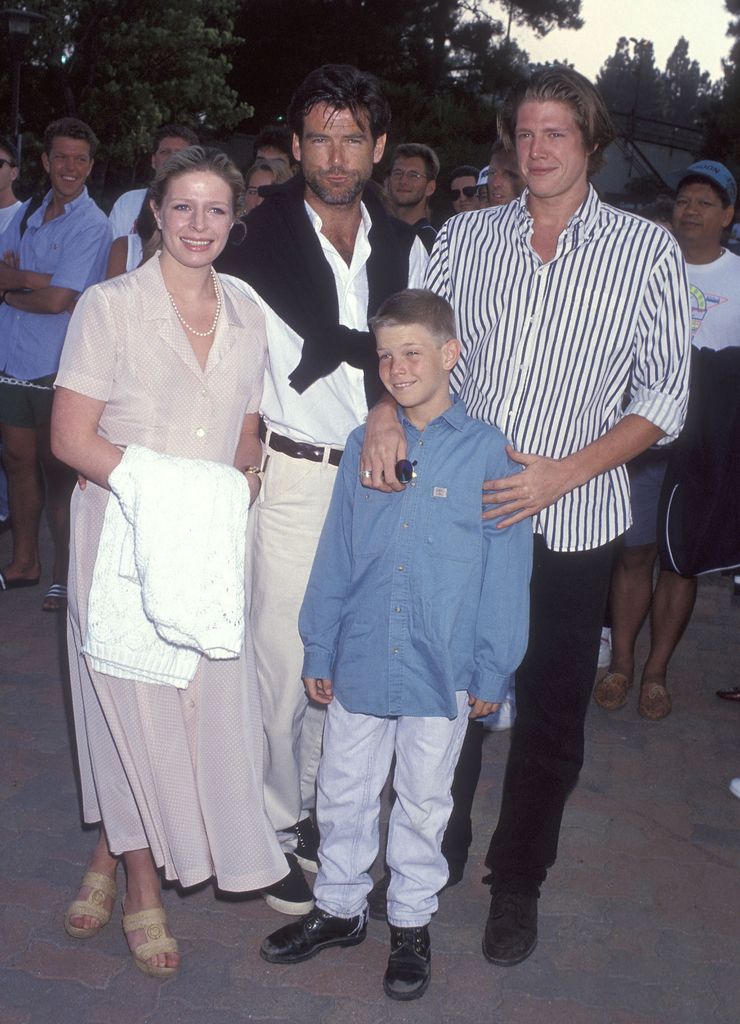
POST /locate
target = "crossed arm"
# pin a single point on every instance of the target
(38, 295)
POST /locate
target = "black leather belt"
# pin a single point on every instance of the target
(299, 449)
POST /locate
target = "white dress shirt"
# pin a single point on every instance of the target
(330, 409)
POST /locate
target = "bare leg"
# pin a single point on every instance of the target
(629, 601)
(104, 863)
(144, 892)
(26, 498)
(673, 603)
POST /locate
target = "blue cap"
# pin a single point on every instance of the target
(716, 173)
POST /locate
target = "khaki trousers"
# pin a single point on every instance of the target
(286, 521)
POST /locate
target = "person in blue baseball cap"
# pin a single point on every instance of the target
(703, 210)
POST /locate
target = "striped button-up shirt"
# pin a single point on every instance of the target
(551, 349)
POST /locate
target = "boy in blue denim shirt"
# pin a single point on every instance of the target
(414, 619)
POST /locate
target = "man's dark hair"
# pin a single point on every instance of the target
(341, 87)
(563, 85)
(464, 171)
(409, 150)
(415, 306)
(701, 179)
(175, 131)
(70, 128)
(7, 147)
(276, 136)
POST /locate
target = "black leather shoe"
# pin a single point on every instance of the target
(307, 850)
(410, 963)
(511, 928)
(307, 937)
(292, 894)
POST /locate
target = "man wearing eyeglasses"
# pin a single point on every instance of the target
(411, 182)
(8, 173)
(464, 189)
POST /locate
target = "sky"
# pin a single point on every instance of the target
(703, 22)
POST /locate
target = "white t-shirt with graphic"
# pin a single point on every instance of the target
(715, 301)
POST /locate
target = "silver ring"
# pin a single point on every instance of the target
(366, 474)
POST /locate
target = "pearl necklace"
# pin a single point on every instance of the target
(186, 325)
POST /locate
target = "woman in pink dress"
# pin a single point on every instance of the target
(169, 357)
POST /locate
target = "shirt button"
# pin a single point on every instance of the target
(400, 568)
(200, 432)
(204, 392)
(413, 483)
(405, 526)
(397, 608)
(395, 650)
(191, 703)
(421, 444)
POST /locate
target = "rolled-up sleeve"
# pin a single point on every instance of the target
(660, 376)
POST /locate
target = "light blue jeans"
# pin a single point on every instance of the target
(357, 755)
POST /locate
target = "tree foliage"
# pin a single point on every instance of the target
(442, 46)
(631, 83)
(125, 66)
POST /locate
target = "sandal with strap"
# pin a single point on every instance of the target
(55, 599)
(101, 888)
(153, 923)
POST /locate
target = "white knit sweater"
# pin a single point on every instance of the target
(168, 583)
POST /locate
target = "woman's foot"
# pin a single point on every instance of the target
(152, 946)
(655, 701)
(55, 599)
(92, 909)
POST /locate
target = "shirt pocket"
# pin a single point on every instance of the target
(453, 525)
(374, 514)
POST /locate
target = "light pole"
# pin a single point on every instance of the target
(19, 34)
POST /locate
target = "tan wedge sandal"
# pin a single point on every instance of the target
(101, 888)
(153, 923)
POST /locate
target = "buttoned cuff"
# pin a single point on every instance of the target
(489, 686)
(317, 663)
(663, 410)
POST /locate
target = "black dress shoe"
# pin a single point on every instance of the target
(292, 894)
(307, 937)
(307, 850)
(511, 928)
(410, 963)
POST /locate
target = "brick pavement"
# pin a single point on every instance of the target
(639, 921)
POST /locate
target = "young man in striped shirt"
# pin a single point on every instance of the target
(563, 305)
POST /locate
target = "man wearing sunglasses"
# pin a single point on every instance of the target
(8, 173)
(464, 189)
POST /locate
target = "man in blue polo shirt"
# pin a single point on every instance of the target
(46, 263)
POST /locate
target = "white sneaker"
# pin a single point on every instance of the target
(735, 787)
(605, 648)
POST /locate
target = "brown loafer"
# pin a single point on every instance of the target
(655, 702)
(611, 691)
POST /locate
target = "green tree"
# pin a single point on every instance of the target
(684, 87)
(629, 81)
(125, 66)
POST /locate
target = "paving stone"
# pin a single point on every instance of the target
(638, 919)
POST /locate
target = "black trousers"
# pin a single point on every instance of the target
(553, 687)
